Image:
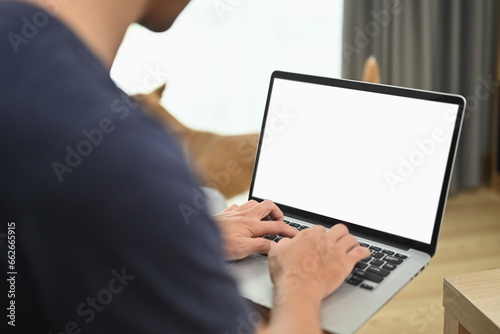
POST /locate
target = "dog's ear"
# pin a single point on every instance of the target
(371, 72)
(158, 92)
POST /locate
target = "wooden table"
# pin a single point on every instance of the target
(472, 303)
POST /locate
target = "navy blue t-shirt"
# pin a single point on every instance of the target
(110, 231)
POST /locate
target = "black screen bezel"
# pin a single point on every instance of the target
(383, 89)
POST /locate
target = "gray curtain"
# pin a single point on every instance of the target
(434, 45)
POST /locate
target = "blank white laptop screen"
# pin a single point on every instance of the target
(371, 159)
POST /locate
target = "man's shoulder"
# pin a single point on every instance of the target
(39, 49)
(62, 114)
(50, 82)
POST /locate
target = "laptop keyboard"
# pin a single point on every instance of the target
(376, 268)
(369, 272)
(278, 237)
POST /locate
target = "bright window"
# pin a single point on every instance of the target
(219, 55)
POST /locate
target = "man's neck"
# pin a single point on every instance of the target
(100, 24)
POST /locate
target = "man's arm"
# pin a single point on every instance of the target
(327, 258)
(323, 259)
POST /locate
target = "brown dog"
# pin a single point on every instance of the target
(371, 71)
(221, 162)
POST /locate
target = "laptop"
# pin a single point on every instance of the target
(376, 158)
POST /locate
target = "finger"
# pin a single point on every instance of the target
(338, 231)
(347, 242)
(273, 228)
(267, 209)
(316, 228)
(248, 205)
(358, 253)
(259, 245)
(281, 243)
(312, 232)
(232, 207)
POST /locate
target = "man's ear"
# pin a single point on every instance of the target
(158, 92)
(371, 71)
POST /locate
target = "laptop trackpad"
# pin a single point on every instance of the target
(253, 278)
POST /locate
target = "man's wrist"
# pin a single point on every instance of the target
(304, 290)
(296, 309)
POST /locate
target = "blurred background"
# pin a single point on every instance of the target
(218, 57)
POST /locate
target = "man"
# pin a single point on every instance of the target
(93, 192)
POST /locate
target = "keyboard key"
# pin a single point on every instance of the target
(366, 286)
(377, 255)
(366, 260)
(278, 238)
(302, 227)
(362, 244)
(375, 248)
(401, 256)
(378, 271)
(354, 280)
(389, 266)
(377, 263)
(393, 259)
(361, 265)
(269, 237)
(388, 252)
(369, 276)
(286, 221)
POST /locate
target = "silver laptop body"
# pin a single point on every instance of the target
(376, 158)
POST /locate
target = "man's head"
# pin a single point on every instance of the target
(159, 15)
(102, 24)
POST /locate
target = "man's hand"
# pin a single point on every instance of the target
(317, 261)
(242, 226)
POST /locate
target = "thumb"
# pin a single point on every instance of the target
(275, 246)
(232, 207)
(260, 245)
(264, 246)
